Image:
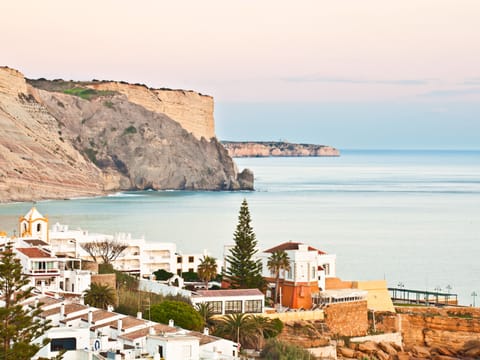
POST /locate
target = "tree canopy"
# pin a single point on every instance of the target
(207, 269)
(278, 261)
(243, 270)
(105, 250)
(183, 314)
(19, 325)
(100, 295)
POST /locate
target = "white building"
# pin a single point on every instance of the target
(86, 331)
(231, 301)
(309, 267)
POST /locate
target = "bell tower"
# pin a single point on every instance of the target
(34, 225)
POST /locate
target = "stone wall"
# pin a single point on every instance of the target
(347, 319)
(105, 279)
(297, 315)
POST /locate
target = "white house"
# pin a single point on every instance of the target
(309, 267)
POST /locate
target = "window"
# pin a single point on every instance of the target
(190, 259)
(313, 272)
(215, 306)
(179, 260)
(63, 344)
(327, 269)
(39, 227)
(233, 307)
(253, 306)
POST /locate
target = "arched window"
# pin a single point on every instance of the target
(24, 227)
(39, 227)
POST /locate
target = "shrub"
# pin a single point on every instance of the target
(130, 130)
(183, 314)
(279, 350)
(162, 274)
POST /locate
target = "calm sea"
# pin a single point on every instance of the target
(404, 216)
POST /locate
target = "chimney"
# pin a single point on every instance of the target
(90, 317)
(139, 315)
(37, 301)
(205, 331)
(151, 330)
(62, 311)
(119, 325)
(171, 323)
(82, 300)
(110, 308)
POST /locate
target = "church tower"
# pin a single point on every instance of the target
(34, 225)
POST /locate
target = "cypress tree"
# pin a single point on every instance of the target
(244, 272)
(19, 325)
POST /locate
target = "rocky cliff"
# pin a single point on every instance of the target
(192, 110)
(63, 139)
(274, 148)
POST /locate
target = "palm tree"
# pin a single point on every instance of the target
(100, 296)
(278, 261)
(261, 326)
(205, 311)
(236, 327)
(207, 269)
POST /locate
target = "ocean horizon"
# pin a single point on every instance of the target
(406, 216)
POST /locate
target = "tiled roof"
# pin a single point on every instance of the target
(69, 308)
(34, 252)
(36, 242)
(204, 339)
(44, 300)
(290, 245)
(159, 328)
(99, 315)
(228, 292)
(127, 323)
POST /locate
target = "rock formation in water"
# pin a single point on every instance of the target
(65, 139)
(276, 148)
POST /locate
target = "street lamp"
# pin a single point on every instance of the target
(473, 295)
(438, 288)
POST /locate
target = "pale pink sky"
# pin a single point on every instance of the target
(253, 50)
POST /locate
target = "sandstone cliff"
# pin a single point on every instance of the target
(35, 161)
(273, 148)
(64, 139)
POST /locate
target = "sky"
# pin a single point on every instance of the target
(349, 73)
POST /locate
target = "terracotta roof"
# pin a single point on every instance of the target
(159, 328)
(204, 339)
(36, 242)
(34, 252)
(290, 245)
(44, 300)
(227, 292)
(69, 308)
(99, 315)
(127, 323)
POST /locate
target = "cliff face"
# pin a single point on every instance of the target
(265, 149)
(85, 142)
(35, 161)
(193, 111)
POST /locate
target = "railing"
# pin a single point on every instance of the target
(421, 297)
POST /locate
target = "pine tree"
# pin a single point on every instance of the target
(19, 325)
(244, 271)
